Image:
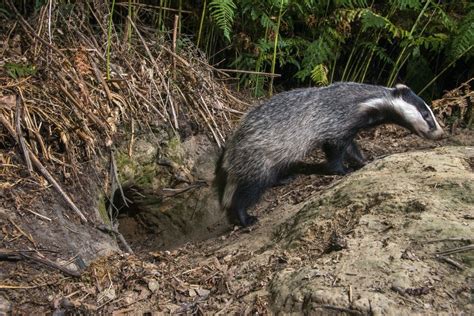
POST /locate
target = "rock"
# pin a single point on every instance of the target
(419, 204)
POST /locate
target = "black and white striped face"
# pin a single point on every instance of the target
(414, 113)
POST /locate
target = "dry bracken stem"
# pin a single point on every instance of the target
(45, 172)
(32, 32)
(206, 108)
(109, 39)
(132, 139)
(19, 134)
(150, 56)
(99, 77)
(175, 32)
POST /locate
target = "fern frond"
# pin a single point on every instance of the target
(463, 42)
(267, 22)
(347, 15)
(406, 4)
(319, 75)
(222, 12)
(320, 51)
(434, 43)
(373, 20)
(292, 50)
(351, 3)
(378, 51)
(443, 18)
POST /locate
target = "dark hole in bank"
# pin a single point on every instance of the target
(149, 221)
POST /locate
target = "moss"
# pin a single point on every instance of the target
(458, 192)
(145, 175)
(126, 167)
(132, 172)
(174, 150)
(103, 210)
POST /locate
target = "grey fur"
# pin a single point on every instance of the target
(283, 129)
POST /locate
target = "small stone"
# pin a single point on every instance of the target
(5, 306)
(153, 286)
(202, 292)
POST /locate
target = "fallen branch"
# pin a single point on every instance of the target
(27, 236)
(267, 74)
(469, 240)
(18, 287)
(16, 255)
(168, 192)
(51, 264)
(451, 262)
(455, 250)
(342, 309)
(100, 78)
(115, 178)
(106, 229)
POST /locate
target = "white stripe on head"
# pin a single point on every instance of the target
(414, 118)
(438, 127)
(410, 113)
(370, 104)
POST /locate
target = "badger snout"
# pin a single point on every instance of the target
(426, 125)
(436, 134)
(423, 130)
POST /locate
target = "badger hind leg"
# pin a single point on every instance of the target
(245, 196)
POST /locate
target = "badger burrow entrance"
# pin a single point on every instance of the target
(167, 197)
(156, 221)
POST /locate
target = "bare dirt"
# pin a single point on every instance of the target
(394, 237)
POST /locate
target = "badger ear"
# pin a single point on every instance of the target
(399, 90)
(401, 86)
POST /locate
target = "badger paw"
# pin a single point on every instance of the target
(249, 221)
(339, 170)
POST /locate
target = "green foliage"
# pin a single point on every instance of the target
(18, 70)
(378, 51)
(405, 4)
(222, 12)
(372, 20)
(351, 3)
(316, 42)
(463, 41)
(318, 52)
(319, 75)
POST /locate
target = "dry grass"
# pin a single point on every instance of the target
(57, 103)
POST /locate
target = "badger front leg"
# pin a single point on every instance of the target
(355, 156)
(335, 153)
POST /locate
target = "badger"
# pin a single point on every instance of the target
(281, 131)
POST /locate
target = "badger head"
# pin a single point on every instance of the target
(411, 112)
